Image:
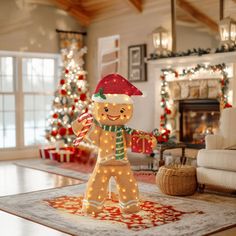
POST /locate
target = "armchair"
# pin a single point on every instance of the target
(216, 165)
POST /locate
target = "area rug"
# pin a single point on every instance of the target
(160, 215)
(76, 170)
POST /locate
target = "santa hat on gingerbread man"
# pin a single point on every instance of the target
(114, 88)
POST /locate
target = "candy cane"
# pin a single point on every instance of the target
(89, 120)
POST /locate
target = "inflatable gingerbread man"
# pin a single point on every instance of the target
(113, 108)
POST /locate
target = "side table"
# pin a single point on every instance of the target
(164, 146)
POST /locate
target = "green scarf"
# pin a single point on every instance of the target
(120, 153)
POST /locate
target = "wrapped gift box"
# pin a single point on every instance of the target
(141, 142)
(44, 152)
(53, 155)
(65, 156)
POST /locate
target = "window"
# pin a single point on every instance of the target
(108, 55)
(27, 82)
(7, 104)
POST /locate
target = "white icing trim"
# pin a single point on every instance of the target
(114, 98)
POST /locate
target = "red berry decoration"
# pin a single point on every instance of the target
(66, 71)
(62, 81)
(63, 92)
(81, 77)
(162, 117)
(79, 89)
(62, 131)
(55, 115)
(54, 133)
(83, 97)
(227, 105)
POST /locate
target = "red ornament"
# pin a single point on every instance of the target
(54, 133)
(162, 100)
(55, 115)
(59, 124)
(62, 131)
(79, 89)
(81, 77)
(62, 81)
(162, 77)
(63, 92)
(70, 131)
(73, 107)
(66, 71)
(176, 74)
(76, 100)
(72, 113)
(83, 97)
(222, 82)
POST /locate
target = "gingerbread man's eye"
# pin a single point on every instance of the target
(122, 110)
(106, 109)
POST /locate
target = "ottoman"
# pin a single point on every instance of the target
(177, 180)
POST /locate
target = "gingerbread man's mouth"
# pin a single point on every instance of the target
(113, 118)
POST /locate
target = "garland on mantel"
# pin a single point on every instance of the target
(224, 84)
(194, 52)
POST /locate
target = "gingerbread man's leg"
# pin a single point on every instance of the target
(96, 191)
(128, 189)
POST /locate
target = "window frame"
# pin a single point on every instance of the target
(19, 93)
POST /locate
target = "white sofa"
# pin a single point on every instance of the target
(216, 165)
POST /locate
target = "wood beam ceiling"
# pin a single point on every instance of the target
(135, 4)
(197, 15)
(75, 11)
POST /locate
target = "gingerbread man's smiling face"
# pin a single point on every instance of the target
(112, 113)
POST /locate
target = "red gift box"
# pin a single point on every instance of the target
(44, 152)
(141, 142)
(53, 155)
(65, 156)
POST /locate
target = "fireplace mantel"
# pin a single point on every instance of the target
(216, 58)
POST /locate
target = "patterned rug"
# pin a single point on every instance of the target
(160, 214)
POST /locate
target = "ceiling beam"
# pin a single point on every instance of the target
(75, 11)
(197, 15)
(135, 4)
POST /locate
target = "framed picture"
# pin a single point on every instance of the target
(137, 68)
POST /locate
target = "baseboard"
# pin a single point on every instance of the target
(19, 154)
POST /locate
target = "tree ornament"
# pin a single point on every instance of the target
(62, 81)
(62, 131)
(67, 71)
(63, 92)
(80, 77)
(83, 97)
(55, 115)
(54, 133)
(76, 100)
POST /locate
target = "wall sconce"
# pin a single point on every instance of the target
(160, 40)
(227, 28)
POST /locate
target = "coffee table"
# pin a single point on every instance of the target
(167, 146)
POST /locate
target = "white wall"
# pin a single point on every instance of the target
(188, 38)
(27, 27)
(135, 28)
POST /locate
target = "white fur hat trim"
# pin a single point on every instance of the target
(114, 98)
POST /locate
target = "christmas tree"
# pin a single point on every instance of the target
(71, 97)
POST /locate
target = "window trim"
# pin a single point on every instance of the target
(24, 151)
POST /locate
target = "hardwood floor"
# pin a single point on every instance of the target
(15, 180)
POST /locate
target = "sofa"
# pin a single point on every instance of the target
(216, 164)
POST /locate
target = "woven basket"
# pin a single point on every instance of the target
(177, 180)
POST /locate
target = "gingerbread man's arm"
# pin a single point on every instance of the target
(93, 136)
(128, 140)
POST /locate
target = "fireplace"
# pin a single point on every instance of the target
(198, 118)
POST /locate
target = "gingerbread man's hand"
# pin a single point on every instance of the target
(77, 126)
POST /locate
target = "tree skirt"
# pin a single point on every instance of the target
(159, 215)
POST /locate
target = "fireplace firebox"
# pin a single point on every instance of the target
(198, 118)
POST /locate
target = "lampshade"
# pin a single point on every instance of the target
(227, 28)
